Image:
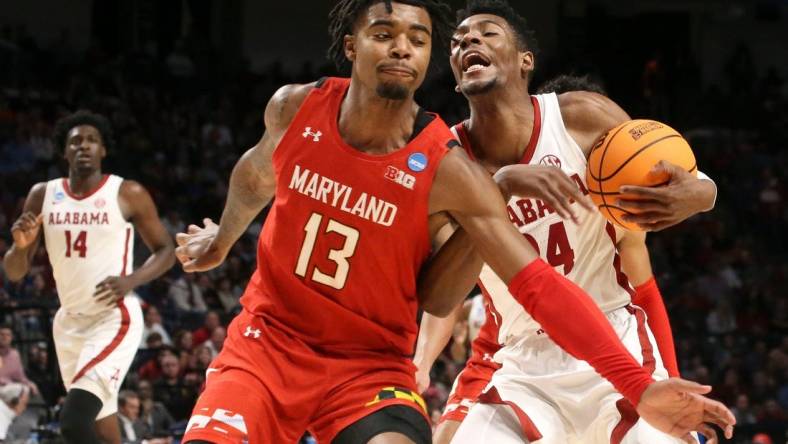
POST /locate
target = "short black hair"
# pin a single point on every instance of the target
(83, 117)
(569, 82)
(526, 37)
(342, 20)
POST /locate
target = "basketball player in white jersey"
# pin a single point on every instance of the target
(88, 221)
(541, 394)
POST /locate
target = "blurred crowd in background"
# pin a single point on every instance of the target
(181, 120)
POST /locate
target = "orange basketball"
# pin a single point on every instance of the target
(625, 155)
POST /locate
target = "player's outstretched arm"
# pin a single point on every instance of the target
(139, 209)
(636, 264)
(565, 312)
(252, 186)
(26, 232)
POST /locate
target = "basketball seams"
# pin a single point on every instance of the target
(602, 162)
(635, 154)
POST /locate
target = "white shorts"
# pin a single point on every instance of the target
(95, 352)
(543, 395)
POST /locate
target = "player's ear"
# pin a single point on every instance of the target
(527, 64)
(350, 47)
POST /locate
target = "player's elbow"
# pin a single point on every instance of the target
(13, 272)
(437, 308)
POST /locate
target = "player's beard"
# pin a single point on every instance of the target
(479, 87)
(392, 91)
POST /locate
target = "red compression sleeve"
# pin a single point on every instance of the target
(574, 322)
(649, 299)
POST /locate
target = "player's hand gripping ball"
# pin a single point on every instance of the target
(626, 155)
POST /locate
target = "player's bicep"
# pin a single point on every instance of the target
(469, 194)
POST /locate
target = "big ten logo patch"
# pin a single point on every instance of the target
(398, 393)
(397, 175)
(223, 421)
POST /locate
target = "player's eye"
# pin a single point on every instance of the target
(490, 34)
(381, 36)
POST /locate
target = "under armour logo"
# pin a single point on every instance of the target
(315, 135)
(487, 357)
(252, 331)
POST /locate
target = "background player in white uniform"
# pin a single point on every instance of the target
(89, 220)
(563, 397)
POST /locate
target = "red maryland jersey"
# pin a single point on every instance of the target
(340, 252)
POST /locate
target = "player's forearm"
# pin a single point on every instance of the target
(648, 297)
(158, 263)
(574, 322)
(434, 334)
(246, 197)
(16, 263)
(450, 274)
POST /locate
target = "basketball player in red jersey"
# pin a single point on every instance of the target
(492, 62)
(362, 179)
(88, 221)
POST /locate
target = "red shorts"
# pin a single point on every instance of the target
(467, 388)
(267, 386)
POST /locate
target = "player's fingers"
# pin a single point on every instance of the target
(182, 238)
(647, 192)
(657, 226)
(687, 386)
(574, 194)
(181, 253)
(207, 222)
(687, 438)
(717, 410)
(648, 217)
(39, 219)
(708, 432)
(193, 229)
(559, 203)
(642, 205)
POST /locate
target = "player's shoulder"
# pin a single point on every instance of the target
(588, 115)
(35, 197)
(456, 179)
(581, 105)
(132, 190)
(285, 102)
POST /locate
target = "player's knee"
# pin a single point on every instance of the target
(78, 417)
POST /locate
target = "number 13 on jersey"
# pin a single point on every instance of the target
(340, 257)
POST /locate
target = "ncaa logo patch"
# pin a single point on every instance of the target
(417, 162)
(59, 195)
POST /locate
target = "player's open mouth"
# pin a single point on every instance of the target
(474, 61)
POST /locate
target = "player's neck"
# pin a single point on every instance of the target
(83, 183)
(500, 127)
(373, 124)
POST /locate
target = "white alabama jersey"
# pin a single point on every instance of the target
(585, 252)
(87, 240)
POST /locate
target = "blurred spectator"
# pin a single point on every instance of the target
(11, 369)
(13, 401)
(215, 343)
(742, 411)
(132, 429)
(173, 391)
(155, 415)
(203, 333)
(187, 295)
(153, 325)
